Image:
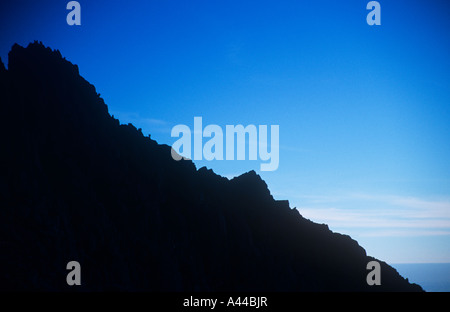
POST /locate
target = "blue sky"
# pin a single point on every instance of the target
(364, 111)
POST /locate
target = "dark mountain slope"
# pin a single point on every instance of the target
(77, 185)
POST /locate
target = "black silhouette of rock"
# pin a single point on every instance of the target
(77, 185)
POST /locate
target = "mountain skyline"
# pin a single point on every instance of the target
(78, 185)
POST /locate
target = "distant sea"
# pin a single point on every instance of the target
(433, 277)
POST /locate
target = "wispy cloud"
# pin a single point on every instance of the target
(135, 117)
(147, 124)
(380, 215)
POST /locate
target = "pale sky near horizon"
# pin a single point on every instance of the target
(363, 111)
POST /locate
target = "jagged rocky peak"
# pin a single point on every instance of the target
(253, 184)
(36, 55)
(46, 78)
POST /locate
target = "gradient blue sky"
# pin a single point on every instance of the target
(364, 111)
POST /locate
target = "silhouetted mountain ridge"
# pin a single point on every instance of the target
(77, 185)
